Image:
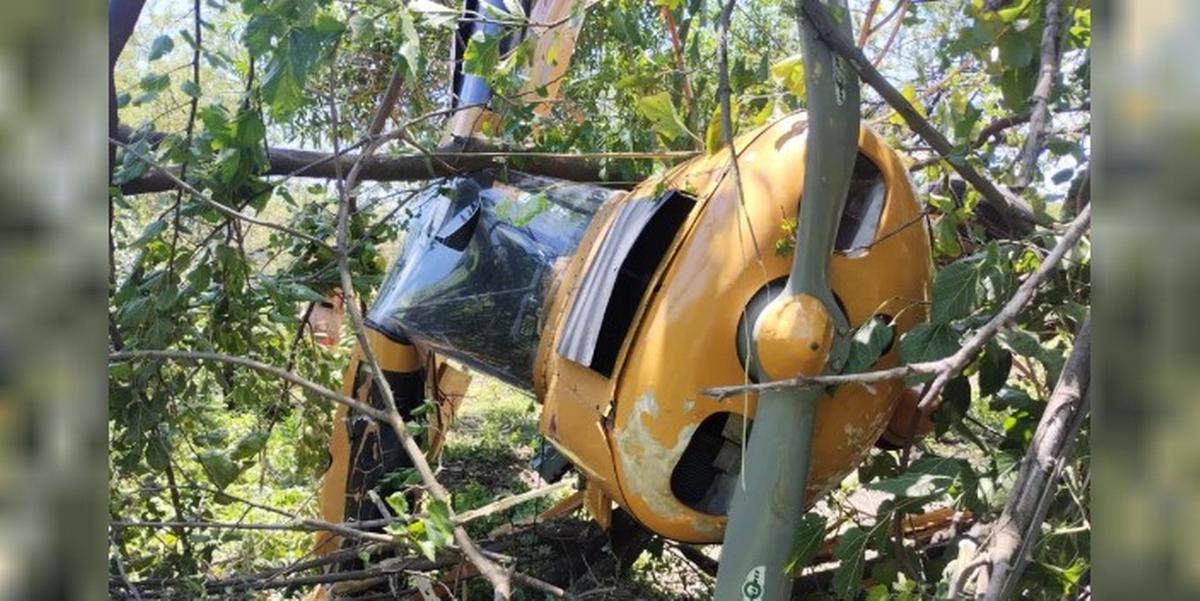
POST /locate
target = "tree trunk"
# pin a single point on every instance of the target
(1016, 530)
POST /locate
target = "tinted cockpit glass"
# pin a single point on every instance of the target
(478, 259)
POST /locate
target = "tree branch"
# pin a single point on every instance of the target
(468, 155)
(992, 130)
(508, 502)
(1002, 213)
(1040, 112)
(1017, 528)
(193, 356)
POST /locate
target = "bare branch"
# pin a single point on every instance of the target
(508, 502)
(1040, 112)
(470, 155)
(349, 530)
(887, 46)
(540, 585)
(192, 356)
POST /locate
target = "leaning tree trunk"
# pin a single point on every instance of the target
(1015, 532)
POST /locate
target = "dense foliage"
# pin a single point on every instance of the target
(192, 442)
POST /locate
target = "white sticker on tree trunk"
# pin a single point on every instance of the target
(752, 586)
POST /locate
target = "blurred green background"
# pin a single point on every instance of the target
(1146, 245)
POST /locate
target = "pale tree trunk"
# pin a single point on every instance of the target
(1007, 552)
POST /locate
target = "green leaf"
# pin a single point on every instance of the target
(789, 74)
(868, 344)
(160, 47)
(1016, 50)
(482, 55)
(295, 59)
(437, 529)
(714, 134)
(851, 554)
(810, 533)
(439, 514)
(156, 455)
(879, 592)
(190, 88)
(659, 109)
(927, 477)
(993, 369)
(250, 445)
(434, 14)
(1021, 342)
(928, 342)
(221, 470)
(955, 291)
(945, 236)
(155, 82)
(408, 47)
(530, 208)
(399, 504)
(514, 9)
(300, 292)
(955, 402)
(260, 33)
(1016, 86)
(134, 313)
(362, 28)
(151, 232)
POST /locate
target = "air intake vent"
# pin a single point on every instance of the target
(618, 278)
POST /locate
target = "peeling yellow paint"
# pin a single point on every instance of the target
(646, 464)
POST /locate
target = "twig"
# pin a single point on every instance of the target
(887, 18)
(349, 530)
(189, 130)
(865, 31)
(959, 582)
(381, 570)
(540, 585)
(507, 502)
(194, 356)
(946, 368)
(677, 47)
(992, 130)
(887, 46)
(129, 586)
